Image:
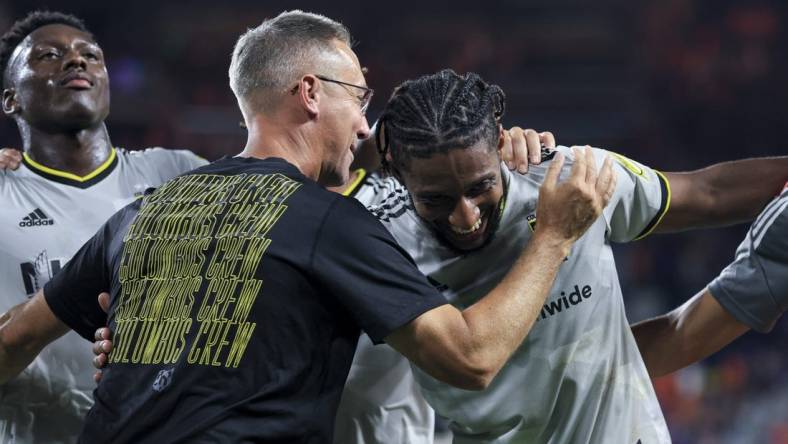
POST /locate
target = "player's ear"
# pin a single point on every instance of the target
(501, 137)
(10, 105)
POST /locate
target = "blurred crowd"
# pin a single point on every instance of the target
(676, 84)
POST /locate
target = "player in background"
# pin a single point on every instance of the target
(69, 180)
(750, 293)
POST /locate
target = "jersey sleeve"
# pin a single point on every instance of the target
(72, 294)
(371, 276)
(375, 189)
(754, 288)
(641, 198)
(170, 163)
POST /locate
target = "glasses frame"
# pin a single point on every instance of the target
(365, 99)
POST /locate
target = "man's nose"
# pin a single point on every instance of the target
(465, 214)
(74, 59)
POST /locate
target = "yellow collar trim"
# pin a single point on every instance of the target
(72, 176)
(361, 173)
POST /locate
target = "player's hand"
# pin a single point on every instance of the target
(523, 147)
(102, 344)
(567, 209)
(10, 159)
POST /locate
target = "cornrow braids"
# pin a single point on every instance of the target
(438, 112)
(24, 27)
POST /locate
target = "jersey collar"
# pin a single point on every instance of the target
(72, 179)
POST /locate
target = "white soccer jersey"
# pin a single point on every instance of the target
(578, 376)
(46, 217)
(381, 402)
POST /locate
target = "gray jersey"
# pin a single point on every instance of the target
(578, 377)
(46, 217)
(381, 403)
(754, 288)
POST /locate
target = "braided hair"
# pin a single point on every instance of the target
(24, 27)
(438, 112)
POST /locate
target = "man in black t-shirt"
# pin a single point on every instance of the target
(238, 290)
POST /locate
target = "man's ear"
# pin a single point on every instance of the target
(501, 137)
(10, 105)
(309, 93)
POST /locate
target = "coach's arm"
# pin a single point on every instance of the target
(722, 194)
(24, 331)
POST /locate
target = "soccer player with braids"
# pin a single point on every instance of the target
(578, 376)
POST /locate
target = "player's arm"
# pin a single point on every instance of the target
(751, 292)
(688, 334)
(722, 194)
(467, 348)
(24, 330)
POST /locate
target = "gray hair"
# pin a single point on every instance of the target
(271, 56)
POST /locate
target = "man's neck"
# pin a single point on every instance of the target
(80, 152)
(293, 145)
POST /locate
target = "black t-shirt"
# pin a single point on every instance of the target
(238, 294)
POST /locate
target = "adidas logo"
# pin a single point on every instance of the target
(36, 219)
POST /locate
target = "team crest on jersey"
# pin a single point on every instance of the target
(38, 272)
(163, 380)
(36, 218)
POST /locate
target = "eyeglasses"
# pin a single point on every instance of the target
(364, 99)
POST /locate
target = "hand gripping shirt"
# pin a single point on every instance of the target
(238, 295)
(754, 288)
(46, 216)
(578, 376)
(381, 402)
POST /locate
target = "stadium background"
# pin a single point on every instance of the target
(675, 84)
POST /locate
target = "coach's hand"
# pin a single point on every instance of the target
(10, 159)
(519, 147)
(102, 345)
(567, 209)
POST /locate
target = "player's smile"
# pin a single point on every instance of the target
(457, 193)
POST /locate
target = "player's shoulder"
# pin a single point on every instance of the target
(377, 189)
(156, 154)
(394, 205)
(769, 231)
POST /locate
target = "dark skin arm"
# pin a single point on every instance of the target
(722, 194)
(688, 334)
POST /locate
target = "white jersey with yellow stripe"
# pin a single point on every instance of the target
(381, 403)
(578, 377)
(46, 217)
